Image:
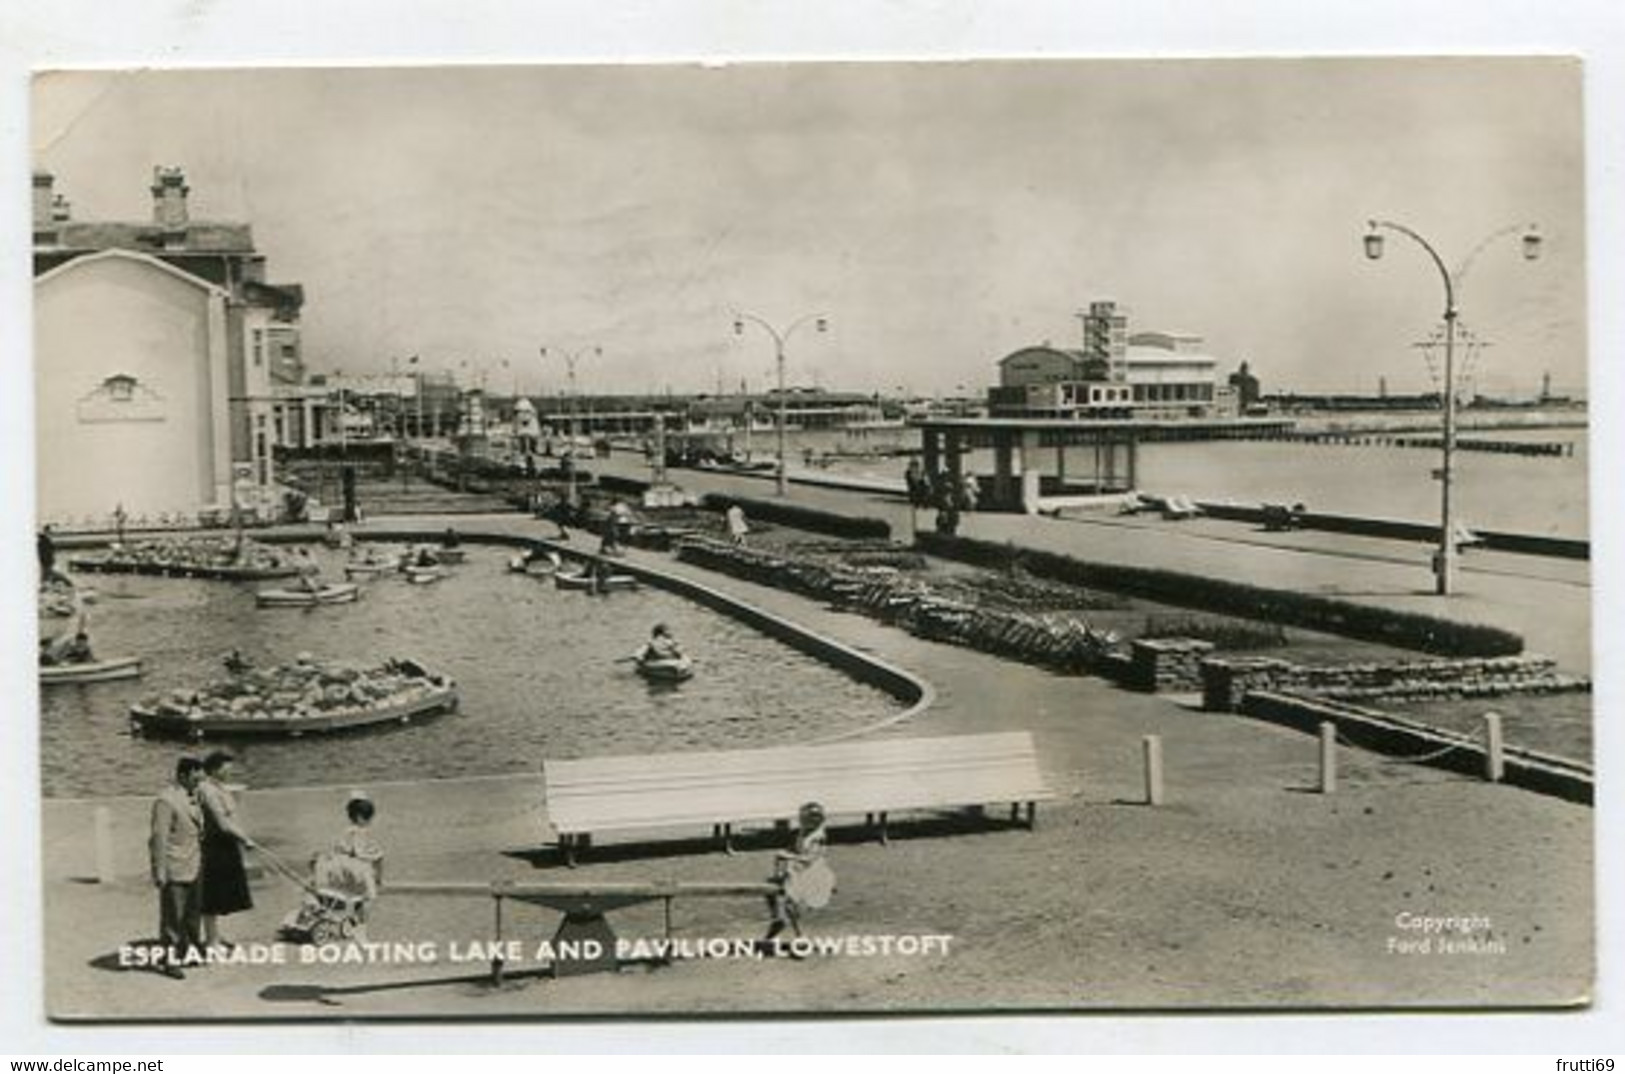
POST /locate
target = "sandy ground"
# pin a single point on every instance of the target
(1245, 890)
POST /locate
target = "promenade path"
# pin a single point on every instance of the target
(1546, 600)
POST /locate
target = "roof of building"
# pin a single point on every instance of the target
(1045, 348)
(117, 254)
(201, 237)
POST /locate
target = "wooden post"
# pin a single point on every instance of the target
(1328, 757)
(106, 872)
(1153, 770)
(1494, 767)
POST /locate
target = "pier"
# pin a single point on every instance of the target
(1542, 448)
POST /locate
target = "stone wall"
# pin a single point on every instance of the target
(1225, 681)
(1167, 664)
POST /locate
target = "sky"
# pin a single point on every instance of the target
(941, 215)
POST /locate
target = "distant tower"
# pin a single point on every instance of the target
(1105, 335)
(1246, 386)
(1382, 387)
(1545, 387)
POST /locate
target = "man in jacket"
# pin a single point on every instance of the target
(176, 848)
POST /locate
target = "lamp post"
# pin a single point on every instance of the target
(1444, 560)
(821, 324)
(570, 358)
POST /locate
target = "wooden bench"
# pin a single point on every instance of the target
(767, 786)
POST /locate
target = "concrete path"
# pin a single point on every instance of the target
(1546, 600)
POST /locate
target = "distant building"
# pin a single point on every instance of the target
(162, 355)
(1145, 376)
(1247, 389)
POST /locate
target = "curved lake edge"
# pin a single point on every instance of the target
(913, 691)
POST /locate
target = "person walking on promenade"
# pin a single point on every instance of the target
(225, 880)
(175, 847)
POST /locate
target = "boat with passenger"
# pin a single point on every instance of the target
(587, 582)
(369, 561)
(330, 593)
(666, 669)
(305, 697)
(118, 667)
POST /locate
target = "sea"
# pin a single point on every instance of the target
(1534, 494)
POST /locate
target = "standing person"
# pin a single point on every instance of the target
(736, 524)
(175, 847)
(45, 545)
(225, 881)
(914, 478)
(969, 492)
(805, 879)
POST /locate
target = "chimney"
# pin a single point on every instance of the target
(169, 192)
(43, 181)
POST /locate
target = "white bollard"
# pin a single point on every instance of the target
(1153, 770)
(1328, 757)
(102, 822)
(1494, 766)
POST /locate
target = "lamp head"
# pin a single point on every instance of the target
(822, 324)
(1373, 243)
(739, 326)
(1531, 244)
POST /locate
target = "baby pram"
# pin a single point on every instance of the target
(336, 896)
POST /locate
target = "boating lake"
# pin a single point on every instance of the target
(537, 667)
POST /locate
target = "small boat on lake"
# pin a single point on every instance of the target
(584, 582)
(536, 564)
(118, 667)
(668, 669)
(331, 593)
(422, 575)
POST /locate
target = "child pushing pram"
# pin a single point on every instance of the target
(343, 881)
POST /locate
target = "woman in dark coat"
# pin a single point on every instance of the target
(225, 881)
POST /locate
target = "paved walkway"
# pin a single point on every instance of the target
(1546, 600)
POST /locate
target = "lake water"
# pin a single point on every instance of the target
(1521, 494)
(536, 666)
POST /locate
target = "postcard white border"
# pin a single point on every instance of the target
(45, 33)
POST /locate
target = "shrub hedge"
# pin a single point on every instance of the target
(1408, 630)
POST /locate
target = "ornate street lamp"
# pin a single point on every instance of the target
(1444, 560)
(821, 324)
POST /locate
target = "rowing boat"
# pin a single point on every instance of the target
(118, 667)
(429, 694)
(671, 669)
(332, 593)
(583, 581)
